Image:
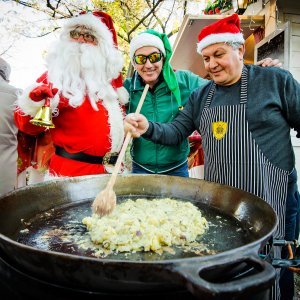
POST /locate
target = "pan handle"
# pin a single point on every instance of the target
(286, 263)
(226, 278)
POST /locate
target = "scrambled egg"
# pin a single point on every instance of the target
(147, 225)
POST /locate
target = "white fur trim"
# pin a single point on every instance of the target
(29, 107)
(100, 30)
(110, 169)
(143, 40)
(123, 95)
(49, 177)
(219, 38)
(113, 56)
(115, 119)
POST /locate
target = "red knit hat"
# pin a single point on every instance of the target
(224, 30)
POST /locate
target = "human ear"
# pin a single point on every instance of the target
(241, 51)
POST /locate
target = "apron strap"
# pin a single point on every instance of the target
(244, 86)
(210, 95)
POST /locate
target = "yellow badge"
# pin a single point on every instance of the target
(219, 129)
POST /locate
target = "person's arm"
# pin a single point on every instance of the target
(23, 124)
(29, 103)
(165, 133)
(292, 103)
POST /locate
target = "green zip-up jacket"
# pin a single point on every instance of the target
(160, 105)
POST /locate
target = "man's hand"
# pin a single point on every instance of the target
(269, 62)
(42, 92)
(137, 124)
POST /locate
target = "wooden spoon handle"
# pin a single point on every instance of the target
(126, 142)
(141, 102)
(119, 161)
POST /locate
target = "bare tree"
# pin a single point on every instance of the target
(129, 15)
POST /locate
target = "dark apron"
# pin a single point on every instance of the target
(232, 156)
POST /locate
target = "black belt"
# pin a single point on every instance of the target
(108, 159)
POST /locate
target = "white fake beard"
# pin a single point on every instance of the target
(83, 69)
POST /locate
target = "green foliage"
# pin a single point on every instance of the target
(217, 7)
(130, 16)
(127, 16)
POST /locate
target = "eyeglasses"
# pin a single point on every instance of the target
(86, 36)
(153, 58)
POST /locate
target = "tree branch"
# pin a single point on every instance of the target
(7, 49)
(49, 10)
(155, 16)
(40, 35)
(145, 17)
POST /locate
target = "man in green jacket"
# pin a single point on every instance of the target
(169, 91)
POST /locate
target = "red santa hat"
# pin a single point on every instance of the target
(105, 32)
(227, 30)
(100, 31)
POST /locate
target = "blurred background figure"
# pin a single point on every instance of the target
(8, 131)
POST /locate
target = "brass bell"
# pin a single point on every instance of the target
(44, 116)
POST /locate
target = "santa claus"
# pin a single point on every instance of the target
(84, 85)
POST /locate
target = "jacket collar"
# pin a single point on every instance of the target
(137, 82)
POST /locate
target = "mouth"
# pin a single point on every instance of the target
(149, 73)
(216, 73)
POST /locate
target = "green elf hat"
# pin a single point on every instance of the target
(151, 37)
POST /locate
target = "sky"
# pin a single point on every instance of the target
(28, 64)
(26, 55)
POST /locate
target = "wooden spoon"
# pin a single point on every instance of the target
(106, 200)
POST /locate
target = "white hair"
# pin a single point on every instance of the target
(77, 69)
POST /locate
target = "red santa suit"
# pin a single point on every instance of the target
(88, 130)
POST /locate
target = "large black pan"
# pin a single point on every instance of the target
(248, 224)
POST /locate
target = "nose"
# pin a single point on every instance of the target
(81, 39)
(212, 63)
(148, 64)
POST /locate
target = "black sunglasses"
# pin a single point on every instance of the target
(141, 59)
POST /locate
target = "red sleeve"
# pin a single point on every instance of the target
(23, 124)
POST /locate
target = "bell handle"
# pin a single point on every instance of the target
(47, 102)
